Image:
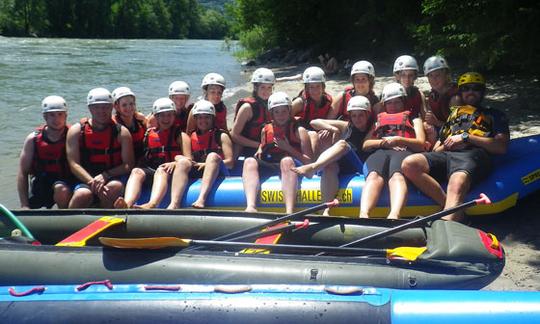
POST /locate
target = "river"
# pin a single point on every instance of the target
(33, 68)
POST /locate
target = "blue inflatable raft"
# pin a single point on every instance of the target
(516, 175)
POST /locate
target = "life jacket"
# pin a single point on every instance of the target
(202, 144)
(397, 124)
(270, 151)
(260, 116)
(180, 119)
(160, 146)
(221, 116)
(347, 95)
(137, 135)
(467, 119)
(311, 110)
(413, 101)
(439, 104)
(100, 151)
(49, 157)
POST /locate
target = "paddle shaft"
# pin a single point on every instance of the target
(271, 231)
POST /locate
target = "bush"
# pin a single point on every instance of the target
(254, 42)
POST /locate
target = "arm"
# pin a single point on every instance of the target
(191, 125)
(73, 154)
(25, 167)
(494, 145)
(185, 144)
(128, 161)
(227, 147)
(297, 106)
(416, 144)
(332, 125)
(151, 121)
(336, 105)
(372, 143)
(244, 115)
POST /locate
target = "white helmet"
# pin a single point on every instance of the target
(53, 103)
(405, 62)
(279, 99)
(162, 105)
(179, 88)
(363, 67)
(203, 107)
(99, 96)
(121, 92)
(314, 74)
(213, 78)
(392, 90)
(359, 103)
(263, 75)
(435, 63)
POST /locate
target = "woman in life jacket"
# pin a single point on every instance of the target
(406, 72)
(251, 114)
(394, 136)
(179, 93)
(350, 136)
(43, 159)
(284, 145)
(363, 81)
(314, 103)
(161, 146)
(127, 115)
(213, 86)
(442, 96)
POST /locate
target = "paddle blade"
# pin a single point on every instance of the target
(405, 252)
(144, 243)
(80, 237)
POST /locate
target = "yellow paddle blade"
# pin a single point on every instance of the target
(405, 252)
(144, 243)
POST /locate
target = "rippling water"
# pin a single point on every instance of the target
(31, 69)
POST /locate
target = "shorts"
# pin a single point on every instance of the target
(350, 163)
(386, 162)
(123, 179)
(223, 171)
(248, 151)
(268, 169)
(476, 162)
(42, 191)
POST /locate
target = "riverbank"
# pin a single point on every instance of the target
(517, 228)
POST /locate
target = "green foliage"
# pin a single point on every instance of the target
(254, 42)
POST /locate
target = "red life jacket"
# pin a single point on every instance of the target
(137, 135)
(160, 146)
(100, 151)
(347, 95)
(413, 102)
(311, 110)
(397, 124)
(50, 157)
(270, 151)
(260, 116)
(221, 116)
(180, 119)
(202, 144)
(439, 103)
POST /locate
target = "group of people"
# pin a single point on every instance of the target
(402, 136)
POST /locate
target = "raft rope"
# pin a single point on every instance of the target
(16, 221)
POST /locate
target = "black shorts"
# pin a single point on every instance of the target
(223, 171)
(386, 162)
(42, 191)
(268, 169)
(476, 162)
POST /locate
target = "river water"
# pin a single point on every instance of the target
(32, 68)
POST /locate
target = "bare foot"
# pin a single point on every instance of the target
(392, 217)
(364, 214)
(197, 205)
(172, 206)
(326, 212)
(250, 210)
(120, 203)
(145, 206)
(305, 170)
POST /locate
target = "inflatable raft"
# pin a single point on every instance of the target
(174, 303)
(515, 176)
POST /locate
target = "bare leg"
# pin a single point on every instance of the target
(314, 140)
(114, 190)
(250, 179)
(289, 183)
(180, 179)
(159, 189)
(211, 171)
(133, 189)
(329, 184)
(370, 193)
(416, 168)
(398, 194)
(62, 195)
(334, 153)
(82, 198)
(458, 186)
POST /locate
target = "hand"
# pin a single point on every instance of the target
(258, 154)
(97, 185)
(328, 134)
(168, 167)
(199, 166)
(391, 141)
(454, 143)
(283, 144)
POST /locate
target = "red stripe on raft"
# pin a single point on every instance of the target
(85, 232)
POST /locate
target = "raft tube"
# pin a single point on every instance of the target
(173, 303)
(515, 176)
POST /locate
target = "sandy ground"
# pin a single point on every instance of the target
(518, 228)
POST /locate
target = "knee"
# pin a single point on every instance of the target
(396, 178)
(61, 189)
(458, 183)
(183, 164)
(412, 166)
(251, 164)
(374, 177)
(115, 186)
(286, 164)
(213, 157)
(342, 145)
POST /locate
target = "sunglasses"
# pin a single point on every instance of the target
(472, 87)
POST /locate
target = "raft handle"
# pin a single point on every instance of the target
(107, 283)
(35, 290)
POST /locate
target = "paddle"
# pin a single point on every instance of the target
(80, 237)
(483, 200)
(408, 253)
(273, 231)
(16, 222)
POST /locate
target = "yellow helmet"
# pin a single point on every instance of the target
(471, 77)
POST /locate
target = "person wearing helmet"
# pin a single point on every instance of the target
(313, 103)
(395, 135)
(462, 155)
(128, 116)
(99, 151)
(209, 154)
(442, 96)
(363, 81)
(213, 85)
(251, 113)
(43, 160)
(343, 156)
(179, 93)
(406, 72)
(284, 144)
(162, 145)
